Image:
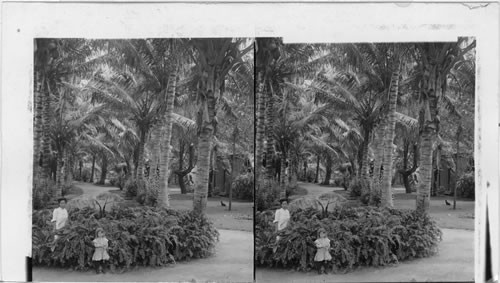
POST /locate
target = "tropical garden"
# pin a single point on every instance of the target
(134, 133)
(373, 142)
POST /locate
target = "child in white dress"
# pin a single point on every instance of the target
(322, 254)
(101, 255)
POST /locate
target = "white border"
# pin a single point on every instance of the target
(339, 22)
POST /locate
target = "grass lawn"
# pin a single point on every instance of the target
(239, 218)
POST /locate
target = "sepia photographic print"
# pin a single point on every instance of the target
(366, 158)
(143, 160)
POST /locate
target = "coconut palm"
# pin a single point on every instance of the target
(214, 58)
(435, 62)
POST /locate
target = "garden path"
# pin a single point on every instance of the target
(232, 262)
(91, 190)
(316, 190)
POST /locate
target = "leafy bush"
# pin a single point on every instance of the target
(140, 236)
(243, 187)
(466, 185)
(361, 236)
(148, 195)
(310, 174)
(133, 186)
(42, 192)
(355, 188)
(295, 191)
(268, 195)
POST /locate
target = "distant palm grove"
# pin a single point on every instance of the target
(140, 113)
(365, 116)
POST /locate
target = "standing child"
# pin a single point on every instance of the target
(322, 253)
(282, 216)
(100, 254)
(59, 217)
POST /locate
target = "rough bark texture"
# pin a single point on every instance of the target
(260, 133)
(378, 145)
(104, 169)
(140, 155)
(432, 87)
(181, 172)
(386, 200)
(269, 136)
(207, 112)
(165, 144)
(365, 161)
(93, 169)
(37, 124)
(317, 169)
(328, 173)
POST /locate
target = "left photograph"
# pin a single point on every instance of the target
(143, 163)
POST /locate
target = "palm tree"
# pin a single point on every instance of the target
(351, 94)
(386, 199)
(214, 58)
(435, 61)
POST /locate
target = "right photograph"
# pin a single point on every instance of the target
(364, 161)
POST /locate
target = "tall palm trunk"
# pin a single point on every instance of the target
(46, 113)
(365, 161)
(328, 173)
(37, 123)
(386, 198)
(156, 135)
(104, 168)
(316, 178)
(93, 169)
(69, 170)
(294, 168)
(165, 156)
(60, 174)
(432, 88)
(260, 127)
(269, 135)
(207, 112)
(140, 155)
(379, 155)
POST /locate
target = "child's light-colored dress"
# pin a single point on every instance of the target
(100, 253)
(323, 245)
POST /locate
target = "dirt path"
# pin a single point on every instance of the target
(316, 190)
(232, 262)
(455, 262)
(91, 190)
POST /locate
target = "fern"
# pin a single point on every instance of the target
(363, 236)
(143, 236)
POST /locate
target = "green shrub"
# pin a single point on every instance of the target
(310, 174)
(466, 185)
(148, 195)
(268, 195)
(361, 236)
(243, 187)
(355, 188)
(295, 191)
(133, 187)
(42, 193)
(140, 236)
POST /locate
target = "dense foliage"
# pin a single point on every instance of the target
(42, 195)
(138, 237)
(268, 196)
(466, 186)
(363, 236)
(243, 187)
